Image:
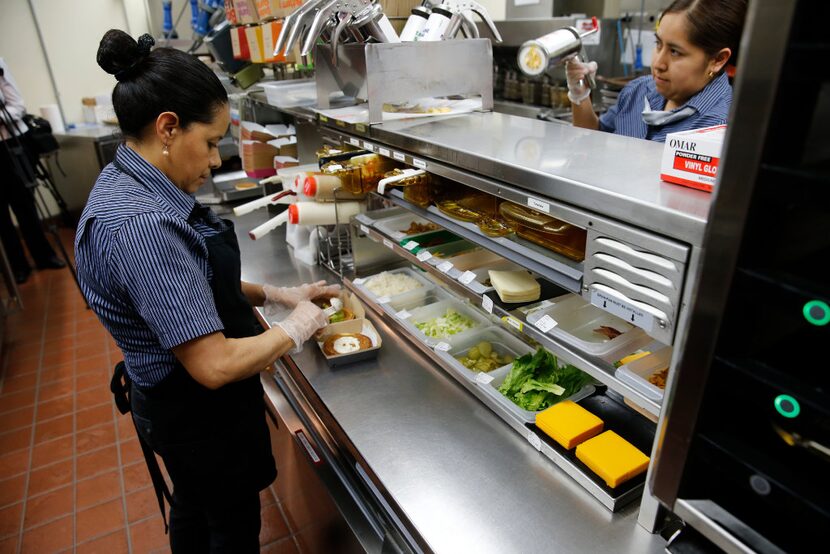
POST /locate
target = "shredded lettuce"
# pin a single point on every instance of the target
(537, 381)
(441, 327)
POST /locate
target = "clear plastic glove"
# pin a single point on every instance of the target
(301, 324)
(577, 73)
(291, 296)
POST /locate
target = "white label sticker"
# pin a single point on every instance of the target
(585, 25)
(398, 156)
(546, 323)
(513, 322)
(487, 304)
(445, 267)
(383, 151)
(419, 163)
(442, 347)
(403, 314)
(483, 378)
(632, 314)
(359, 281)
(388, 243)
(466, 278)
(534, 440)
(538, 205)
(411, 245)
(369, 146)
(423, 255)
(354, 142)
(364, 229)
(383, 300)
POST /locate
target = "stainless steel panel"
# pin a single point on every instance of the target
(457, 474)
(397, 72)
(616, 176)
(723, 529)
(764, 45)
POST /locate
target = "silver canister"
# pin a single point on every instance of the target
(436, 25)
(537, 55)
(417, 20)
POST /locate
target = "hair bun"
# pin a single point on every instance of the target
(119, 53)
(145, 43)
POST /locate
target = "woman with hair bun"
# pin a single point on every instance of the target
(688, 87)
(162, 273)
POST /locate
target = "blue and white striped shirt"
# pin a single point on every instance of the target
(625, 118)
(143, 266)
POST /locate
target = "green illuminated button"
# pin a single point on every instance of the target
(787, 406)
(817, 312)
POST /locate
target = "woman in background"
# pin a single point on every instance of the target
(688, 87)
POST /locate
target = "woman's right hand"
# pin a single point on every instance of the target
(577, 73)
(291, 296)
(301, 324)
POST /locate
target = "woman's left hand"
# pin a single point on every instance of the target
(291, 296)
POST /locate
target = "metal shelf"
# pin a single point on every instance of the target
(595, 367)
(539, 442)
(556, 269)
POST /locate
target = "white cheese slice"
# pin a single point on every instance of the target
(515, 286)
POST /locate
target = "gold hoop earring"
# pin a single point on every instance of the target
(711, 74)
(165, 150)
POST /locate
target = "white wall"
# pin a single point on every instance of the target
(24, 56)
(71, 31)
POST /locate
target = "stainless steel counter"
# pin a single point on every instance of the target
(463, 479)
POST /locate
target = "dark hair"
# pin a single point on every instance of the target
(713, 24)
(161, 80)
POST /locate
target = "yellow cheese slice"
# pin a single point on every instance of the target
(612, 457)
(568, 423)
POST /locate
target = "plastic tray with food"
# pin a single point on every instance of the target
(388, 286)
(443, 252)
(415, 299)
(547, 231)
(446, 321)
(405, 226)
(431, 239)
(591, 329)
(483, 351)
(648, 374)
(349, 341)
(535, 382)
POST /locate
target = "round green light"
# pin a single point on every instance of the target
(787, 406)
(817, 312)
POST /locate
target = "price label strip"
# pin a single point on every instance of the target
(445, 267)
(442, 347)
(546, 323)
(383, 151)
(538, 205)
(411, 245)
(513, 322)
(483, 378)
(466, 278)
(359, 281)
(419, 163)
(487, 304)
(423, 256)
(398, 156)
(388, 244)
(403, 314)
(383, 300)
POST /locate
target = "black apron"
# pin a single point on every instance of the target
(215, 443)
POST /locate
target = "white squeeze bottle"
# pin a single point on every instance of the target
(314, 213)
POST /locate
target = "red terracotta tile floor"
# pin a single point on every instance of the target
(72, 478)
